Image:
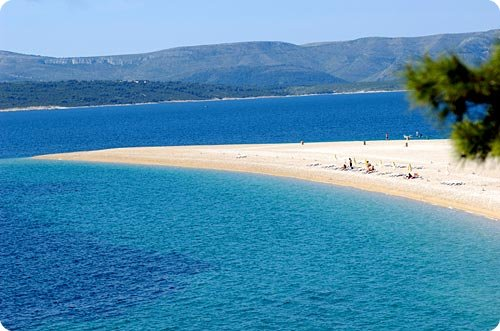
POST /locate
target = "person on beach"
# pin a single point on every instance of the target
(369, 167)
(344, 167)
(407, 138)
(350, 163)
(387, 136)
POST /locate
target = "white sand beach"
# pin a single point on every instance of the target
(442, 178)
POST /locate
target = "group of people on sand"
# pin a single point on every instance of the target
(344, 167)
(369, 167)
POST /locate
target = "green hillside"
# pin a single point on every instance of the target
(263, 64)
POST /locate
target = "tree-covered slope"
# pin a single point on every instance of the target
(255, 63)
(90, 93)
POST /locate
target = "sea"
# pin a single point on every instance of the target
(122, 247)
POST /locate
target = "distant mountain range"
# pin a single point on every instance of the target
(262, 64)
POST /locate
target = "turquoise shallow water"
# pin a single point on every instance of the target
(108, 247)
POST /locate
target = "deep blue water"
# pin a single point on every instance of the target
(108, 247)
(316, 118)
(95, 247)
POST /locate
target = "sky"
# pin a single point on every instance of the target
(107, 27)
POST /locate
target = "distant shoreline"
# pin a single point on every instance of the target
(45, 108)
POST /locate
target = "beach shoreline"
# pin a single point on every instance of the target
(49, 108)
(442, 179)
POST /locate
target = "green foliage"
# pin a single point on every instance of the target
(93, 93)
(468, 95)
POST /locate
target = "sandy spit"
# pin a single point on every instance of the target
(443, 179)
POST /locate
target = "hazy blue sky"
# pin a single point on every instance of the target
(100, 27)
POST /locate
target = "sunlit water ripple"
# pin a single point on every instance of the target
(95, 247)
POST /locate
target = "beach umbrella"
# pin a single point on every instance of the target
(409, 167)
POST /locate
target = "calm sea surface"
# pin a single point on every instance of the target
(317, 118)
(112, 247)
